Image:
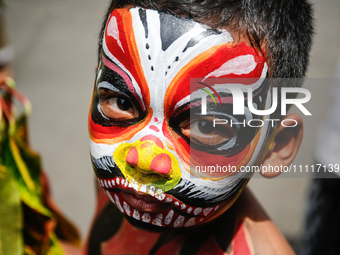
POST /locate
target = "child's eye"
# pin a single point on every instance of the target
(202, 131)
(118, 108)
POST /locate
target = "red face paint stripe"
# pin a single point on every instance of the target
(205, 64)
(126, 50)
(126, 78)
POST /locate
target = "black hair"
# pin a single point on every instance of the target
(282, 28)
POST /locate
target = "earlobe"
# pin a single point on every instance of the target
(286, 144)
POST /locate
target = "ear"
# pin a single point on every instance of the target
(286, 144)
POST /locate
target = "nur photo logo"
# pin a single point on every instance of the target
(228, 94)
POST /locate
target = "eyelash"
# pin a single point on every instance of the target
(201, 132)
(116, 107)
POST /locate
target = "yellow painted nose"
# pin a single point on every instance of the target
(148, 162)
(149, 156)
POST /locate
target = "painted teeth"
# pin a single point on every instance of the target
(111, 198)
(126, 208)
(158, 220)
(118, 204)
(135, 186)
(190, 222)
(168, 217)
(206, 211)
(151, 191)
(146, 217)
(179, 221)
(143, 188)
(159, 195)
(136, 214)
(198, 210)
(168, 200)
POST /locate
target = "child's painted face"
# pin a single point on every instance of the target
(140, 124)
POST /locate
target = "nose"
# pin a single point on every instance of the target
(149, 156)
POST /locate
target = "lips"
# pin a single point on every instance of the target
(144, 203)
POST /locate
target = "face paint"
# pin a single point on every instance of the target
(140, 116)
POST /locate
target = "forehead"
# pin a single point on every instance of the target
(159, 50)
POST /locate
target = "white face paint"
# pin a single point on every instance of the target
(141, 103)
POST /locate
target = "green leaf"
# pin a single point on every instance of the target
(11, 241)
(26, 177)
(55, 248)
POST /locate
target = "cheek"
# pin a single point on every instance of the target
(222, 166)
(177, 143)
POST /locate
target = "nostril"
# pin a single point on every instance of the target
(161, 164)
(132, 157)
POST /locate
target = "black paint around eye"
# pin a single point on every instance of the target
(243, 135)
(125, 103)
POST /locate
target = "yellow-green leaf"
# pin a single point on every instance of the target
(11, 240)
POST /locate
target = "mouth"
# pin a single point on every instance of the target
(144, 202)
(155, 207)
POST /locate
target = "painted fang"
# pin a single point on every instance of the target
(139, 121)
